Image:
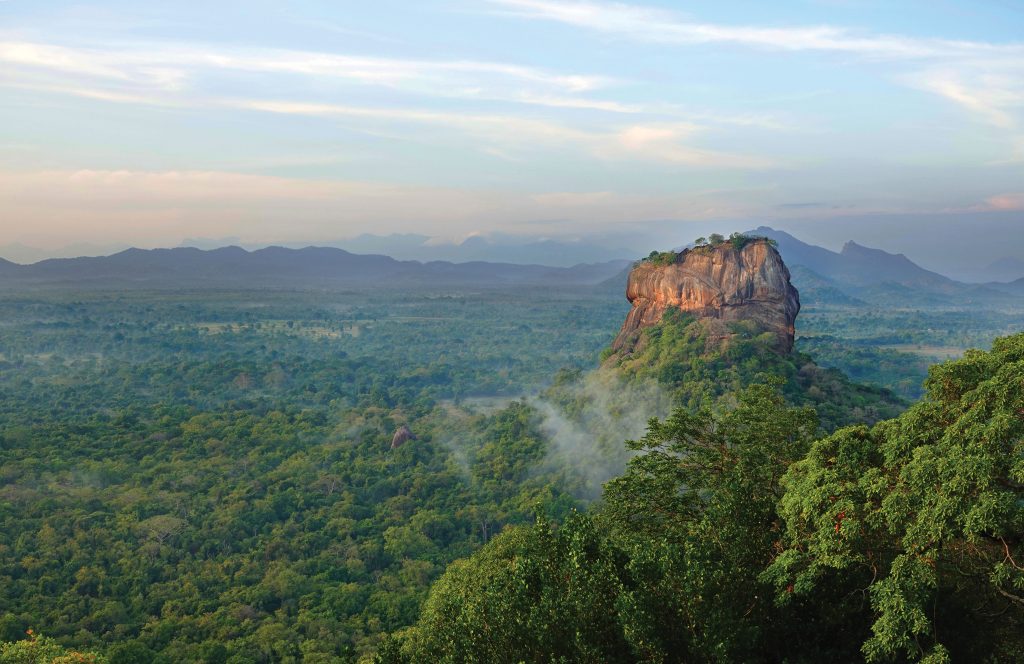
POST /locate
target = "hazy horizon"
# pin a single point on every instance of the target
(959, 248)
(143, 125)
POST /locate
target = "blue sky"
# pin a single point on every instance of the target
(144, 123)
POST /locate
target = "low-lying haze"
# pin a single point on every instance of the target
(142, 124)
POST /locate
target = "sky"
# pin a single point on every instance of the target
(144, 123)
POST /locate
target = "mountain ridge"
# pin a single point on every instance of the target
(232, 264)
(853, 276)
(865, 273)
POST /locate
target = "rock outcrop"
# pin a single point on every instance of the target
(402, 435)
(726, 283)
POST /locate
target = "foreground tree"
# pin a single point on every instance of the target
(696, 510)
(531, 595)
(666, 571)
(926, 512)
(901, 542)
(43, 650)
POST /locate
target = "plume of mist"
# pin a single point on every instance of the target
(587, 423)
(457, 449)
(454, 435)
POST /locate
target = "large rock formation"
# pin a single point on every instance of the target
(724, 283)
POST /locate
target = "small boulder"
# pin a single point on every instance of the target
(402, 435)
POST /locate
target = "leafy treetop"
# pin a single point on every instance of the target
(737, 240)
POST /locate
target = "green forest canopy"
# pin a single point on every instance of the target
(736, 536)
(207, 477)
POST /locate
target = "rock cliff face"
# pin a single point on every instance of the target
(724, 283)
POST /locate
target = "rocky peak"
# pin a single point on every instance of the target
(724, 282)
(851, 248)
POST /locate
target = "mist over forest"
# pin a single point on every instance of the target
(215, 473)
(511, 331)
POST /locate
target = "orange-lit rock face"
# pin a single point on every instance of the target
(724, 283)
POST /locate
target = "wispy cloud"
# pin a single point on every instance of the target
(631, 124)
(657, 25)
(160, 77)
(122, 68)
(134, 71)
(986, 79)
(1011, 201)
(996, 95)
(167, 75)
(172, 67)
(511, 134)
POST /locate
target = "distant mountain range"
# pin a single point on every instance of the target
(854, 276)
(316, 266)
(1003, 270)
(858, 273)
(1013, 287)
(492, 248)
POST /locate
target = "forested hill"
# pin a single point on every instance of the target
(708, 322)
(738, 535)
(740, 531)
